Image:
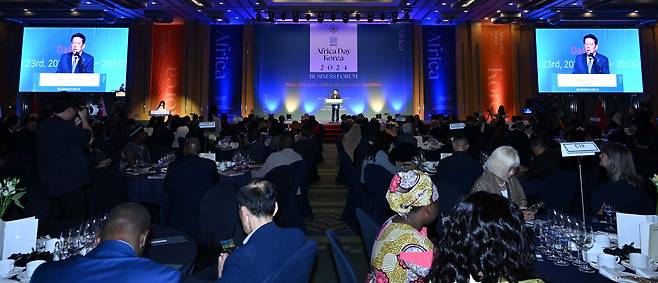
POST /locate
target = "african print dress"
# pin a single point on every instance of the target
(400, 254)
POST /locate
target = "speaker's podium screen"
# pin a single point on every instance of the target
(85, 59)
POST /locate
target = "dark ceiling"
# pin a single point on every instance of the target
(557, 12)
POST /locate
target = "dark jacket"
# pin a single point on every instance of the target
(459, 170)
(112, 261)
(624, 197)
(268, 247)
(60, 152)
(542, 166)
(85, 65)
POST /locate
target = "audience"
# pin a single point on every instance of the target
(402, 252)
(187, 180)
(484, 240)
(545, 163)
(460, 169)
(117, 258)
(255, 147)
(135, 153)
(625, 191)
(60, 157)
(285, 156)
(379, 154)
(266, 246)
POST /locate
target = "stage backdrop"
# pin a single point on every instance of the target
(226, 68)
(297, 67)
(167, 66)
(439, 70)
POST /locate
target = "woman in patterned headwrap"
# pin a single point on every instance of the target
(402, 251)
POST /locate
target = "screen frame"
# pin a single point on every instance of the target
(45, 25)
(548, 26)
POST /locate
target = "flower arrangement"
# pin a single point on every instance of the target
(10, 192)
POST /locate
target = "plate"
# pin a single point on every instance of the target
(627, 263)
(13, 272)
(618, 268)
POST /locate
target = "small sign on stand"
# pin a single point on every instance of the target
(578, 150)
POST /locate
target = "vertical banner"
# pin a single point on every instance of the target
(496, 68)
(167, 66)
(439, 70)
(226, 68)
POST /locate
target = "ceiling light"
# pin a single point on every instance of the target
(257, 3)
(123, 17)
(486, 18)
(197, 3)
(26, 10)
(589, 11)
(153, 3)
(469, 2)
(575, 4)
(526, 11)
(511, 4)
(199, 10)
(497, 11)
(636, 11)
(445, 20)
(436, 11)
(428, 18)
(408, 4)
(220, 20)
(541, 18)
(466, 11)
(221, 3)
(444, 3)
(88, 3)
(237, 18)
(72, 10)
(229, 10)
(104, 10)
(557, 11)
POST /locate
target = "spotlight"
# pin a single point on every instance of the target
(295, 17)
(371, 17)
(357, 16)
(333, 17)
(308, 17)
(320, 17)
(346, 17)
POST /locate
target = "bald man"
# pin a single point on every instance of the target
(187, 180)
(117, 256)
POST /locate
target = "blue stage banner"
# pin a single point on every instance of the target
(439, 70)
(225, 89)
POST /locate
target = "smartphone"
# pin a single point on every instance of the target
(226, 246)
(536, 207)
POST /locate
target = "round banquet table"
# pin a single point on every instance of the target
(179, 252)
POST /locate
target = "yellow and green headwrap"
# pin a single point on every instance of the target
(410, 189)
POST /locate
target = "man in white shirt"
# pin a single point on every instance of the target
(285, 156)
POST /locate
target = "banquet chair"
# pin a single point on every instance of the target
(344, 267)
(449, 195)
(377, 180)
(108, 190)
(300, 178)
(298, 267)
(357, 197)
(559, 191)
(289, 213)
(369, 230)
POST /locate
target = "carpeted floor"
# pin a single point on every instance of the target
(327, 200)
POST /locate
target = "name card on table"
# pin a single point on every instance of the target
(206, 125)
(633, 228)
(18, 236)
(570, 149)
(209, 155)
(457, 126)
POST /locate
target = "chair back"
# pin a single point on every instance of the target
(377, 180)
(559, 190)
(369, 230)
(286, 196)
(297, 268)
(449, 195)
(219, 218)
(343, 265)
(357, 196)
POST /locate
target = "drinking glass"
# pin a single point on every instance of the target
(585, 241)
(560, 246)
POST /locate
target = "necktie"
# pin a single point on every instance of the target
(590, 62)
(75, 63)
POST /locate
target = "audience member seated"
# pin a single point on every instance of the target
(518, 139)
(498, 177)
(309, 150)
(187, 180)
(285, 156)
(468, 251)
(545, 163)
(402, 252)
(460, 170)
(352, 138)
(135, 153)
(407, 135)
(266, 246)
(60, 157)
(255, 147)
(117, 258)
(180, 131)
(379, 154)
(626, 191)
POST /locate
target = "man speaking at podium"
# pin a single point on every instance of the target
(591, 62)
(335, 108)
(76, 61)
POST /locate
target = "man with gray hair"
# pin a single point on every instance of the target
(117, 258)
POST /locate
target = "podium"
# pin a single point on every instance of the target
(159, 113)
(74, 82)
(333, 101)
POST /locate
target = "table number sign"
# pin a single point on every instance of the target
(571, 149)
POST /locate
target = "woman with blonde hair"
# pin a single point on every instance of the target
(499, 177)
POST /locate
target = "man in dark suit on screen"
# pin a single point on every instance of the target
(76, 61)
(591, 62)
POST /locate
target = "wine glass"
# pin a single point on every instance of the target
(610, 216)
(560, 244)
(585, 241)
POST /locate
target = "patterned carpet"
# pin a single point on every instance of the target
(327, 200)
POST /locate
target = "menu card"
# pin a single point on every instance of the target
(633, 228)
(18, 236)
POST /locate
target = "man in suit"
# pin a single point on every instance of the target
(187, 180)
(266, 246)
(62, 167)
(460, 169)
(545, 163)
(76, 61)
(285, 156)
(335, 108)
(117, 258)
(256, 148)
(591, 62)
